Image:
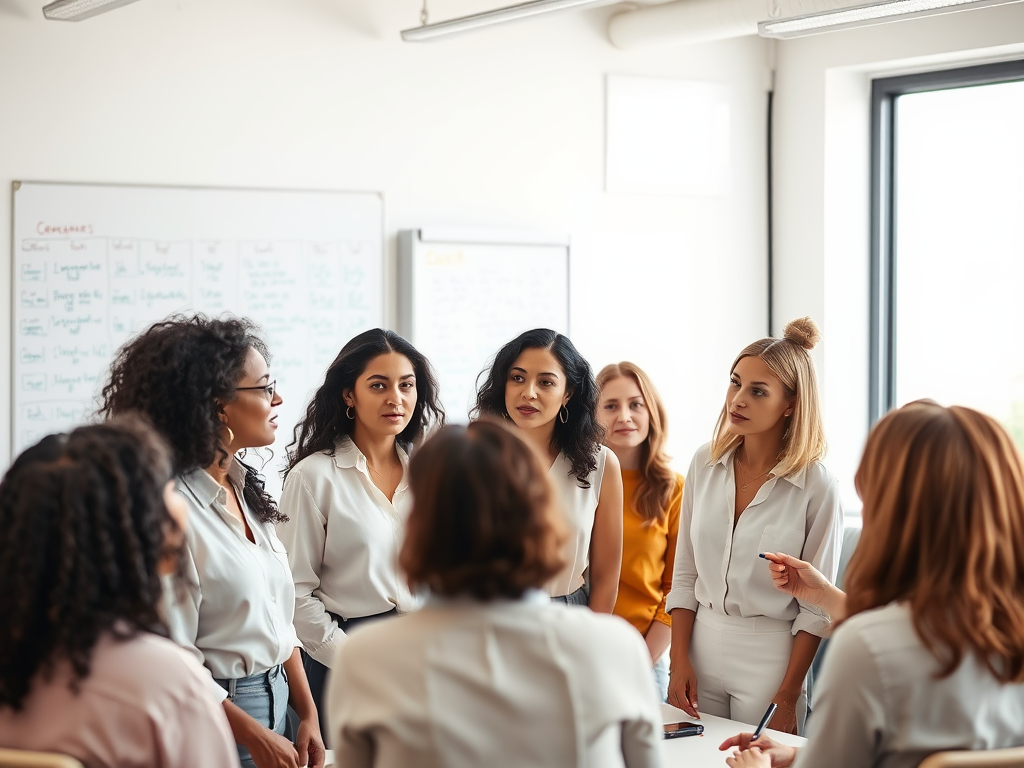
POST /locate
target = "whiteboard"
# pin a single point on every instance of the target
(94, 265)
(462, 294)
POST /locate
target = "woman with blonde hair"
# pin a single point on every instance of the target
(635, 425)
(490, 671)
(931, 657)
(758, 485)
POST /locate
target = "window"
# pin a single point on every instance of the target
(947, 269)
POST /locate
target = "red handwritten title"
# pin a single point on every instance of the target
(42, 228)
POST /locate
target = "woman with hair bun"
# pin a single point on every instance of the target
(346, 492)
(205, 385)
(490, 671)
(758, 486)
(541, 384)
(89, 522)
(931, 655)
(635, 426)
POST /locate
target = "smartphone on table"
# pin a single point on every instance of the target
(675, 730)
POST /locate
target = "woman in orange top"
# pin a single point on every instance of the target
(635, 427)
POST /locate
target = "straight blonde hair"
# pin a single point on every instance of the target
(943, 492)
(657, 480)
(788, 358)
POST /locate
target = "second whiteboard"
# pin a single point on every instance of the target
(462, 294)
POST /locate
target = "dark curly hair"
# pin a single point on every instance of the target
(82, 532)
(174, 372)
(580, 437)
(325, 422)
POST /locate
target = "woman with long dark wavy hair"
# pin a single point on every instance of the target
(930, 653)
(346, 492)
(205, 385)
(89, 522)
(544, 386)
(635, 426)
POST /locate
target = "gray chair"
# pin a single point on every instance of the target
(17, 758)
(850, 538)
(989, 758)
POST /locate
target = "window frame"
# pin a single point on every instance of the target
(885, 93)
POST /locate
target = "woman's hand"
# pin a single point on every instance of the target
(272, 750)
(796, 577)
(750, 758)
(682, 688)
(768, 752)
(310, 744)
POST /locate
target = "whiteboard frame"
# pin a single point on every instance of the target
(410, 239)
(17, 184)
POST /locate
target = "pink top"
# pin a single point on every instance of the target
(144, 703)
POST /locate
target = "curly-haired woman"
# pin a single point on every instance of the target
(205, 385)
(88, 524)
(347, 495)
(543, 385)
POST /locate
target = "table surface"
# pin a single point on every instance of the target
(702, 751)
(696, 751)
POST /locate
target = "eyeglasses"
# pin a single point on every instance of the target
(267, 389)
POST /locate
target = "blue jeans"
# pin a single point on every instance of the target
(580, 597)
(661, 676)
(264, 697)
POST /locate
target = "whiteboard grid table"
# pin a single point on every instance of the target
(95, 264)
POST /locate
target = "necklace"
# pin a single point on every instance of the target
(752, 478)
(388, 480)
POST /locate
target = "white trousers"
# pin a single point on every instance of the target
(740, 664)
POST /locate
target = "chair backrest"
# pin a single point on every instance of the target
(981, 758)
(17, 758)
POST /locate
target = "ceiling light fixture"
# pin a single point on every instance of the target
(867, 15)
(497, 16)
(76, 10)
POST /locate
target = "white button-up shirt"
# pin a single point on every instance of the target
(343, 537)
(579, 506)
(880, 701)
(463, 683)
(237, 617)
(717, 564)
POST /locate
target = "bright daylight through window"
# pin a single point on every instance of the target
(957, 240)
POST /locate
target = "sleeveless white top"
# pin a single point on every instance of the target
(579, 506)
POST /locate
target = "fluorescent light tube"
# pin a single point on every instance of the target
(867, 15)
(497, 16)
(76, 10)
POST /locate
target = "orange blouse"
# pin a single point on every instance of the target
(648, 554)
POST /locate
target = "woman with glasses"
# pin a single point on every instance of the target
(346, 492)
(89, 523)
(206, 387)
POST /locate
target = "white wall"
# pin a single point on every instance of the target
(821, 185)
(503, 128)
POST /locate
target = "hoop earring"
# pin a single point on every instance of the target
(348, 413)
(563, 415)
(231, 435)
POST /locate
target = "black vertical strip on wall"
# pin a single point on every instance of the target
(771, 215)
